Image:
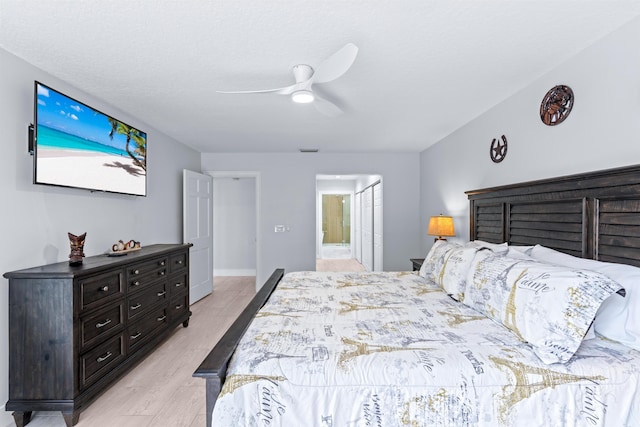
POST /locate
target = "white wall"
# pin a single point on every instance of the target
(288, 197)
(336, 186)
(35, 219)
(234, 226)
(602, 131)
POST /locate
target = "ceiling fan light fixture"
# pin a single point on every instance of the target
(302, 96)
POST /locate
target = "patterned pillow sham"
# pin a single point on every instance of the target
(434, 260)
(448, 264)
(619, 317)
(455, 269)
(549, 306)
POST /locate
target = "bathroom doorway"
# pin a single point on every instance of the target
(336, 219)
(340, 229)
(335, 232)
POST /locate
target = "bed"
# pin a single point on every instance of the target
(400, 348)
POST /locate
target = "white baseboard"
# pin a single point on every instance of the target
(247, 272)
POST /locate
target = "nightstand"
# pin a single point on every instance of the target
(417, 263)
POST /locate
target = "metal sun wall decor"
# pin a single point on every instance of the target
(556, 105)
(498, 149)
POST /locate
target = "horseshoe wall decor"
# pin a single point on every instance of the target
(498, 149)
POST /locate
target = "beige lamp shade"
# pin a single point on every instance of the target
(441, 226)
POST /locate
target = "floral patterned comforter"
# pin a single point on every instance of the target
(392, 349)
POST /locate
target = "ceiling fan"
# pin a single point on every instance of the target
(301, 91)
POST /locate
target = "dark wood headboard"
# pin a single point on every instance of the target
(592, 215)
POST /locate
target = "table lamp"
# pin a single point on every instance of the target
(441, 226)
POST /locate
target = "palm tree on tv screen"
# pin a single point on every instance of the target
(139, 154)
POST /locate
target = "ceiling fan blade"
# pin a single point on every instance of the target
(281, 90)
(336, 65)
(305, 85)
(326, 107)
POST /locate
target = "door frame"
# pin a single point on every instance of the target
(247, 174)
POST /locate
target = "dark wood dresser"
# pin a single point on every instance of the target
(73, 330)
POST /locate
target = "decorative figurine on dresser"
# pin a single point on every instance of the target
(75, 329)
(77, 248)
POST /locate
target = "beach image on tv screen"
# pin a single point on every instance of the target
(77, 146)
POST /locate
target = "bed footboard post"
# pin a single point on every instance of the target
(213, 385)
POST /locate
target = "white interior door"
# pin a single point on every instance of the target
(197, 199)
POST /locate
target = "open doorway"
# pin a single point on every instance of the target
(336, 226)
(336, 219)
(342, 235)
(235, 225)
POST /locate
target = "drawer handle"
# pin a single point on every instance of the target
(160, 319)
(104, 288)
(161, 263)
(178, 284)
(160, 294)
(135, 307)
(103, 324)
(179, 262)
(136, 283)
(179, 306)
(136, 271)
(105, 357)
(161, 273)
(133, 337)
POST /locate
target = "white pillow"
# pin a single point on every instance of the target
(516, 251)
(619, 317)
(498, 248)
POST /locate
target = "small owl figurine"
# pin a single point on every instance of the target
(77, 247)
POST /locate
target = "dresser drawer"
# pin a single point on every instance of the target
(177, 262)
(154, 268)
(139, 332)
(178, 306)
(142, 301)
(144, 274)
(140, 283)
(101, 359)
(101, 324)
(101, 288)
(178, 284)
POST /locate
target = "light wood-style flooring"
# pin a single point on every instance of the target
(160, 390)
(338, 265)
(337, 257)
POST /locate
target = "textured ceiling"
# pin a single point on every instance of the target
(424, 68)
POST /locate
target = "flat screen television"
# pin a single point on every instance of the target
(77, 146)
